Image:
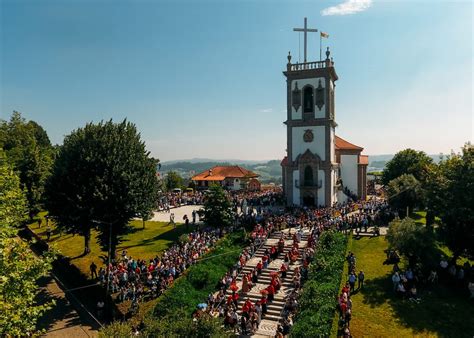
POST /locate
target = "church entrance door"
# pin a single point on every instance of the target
(308, 200)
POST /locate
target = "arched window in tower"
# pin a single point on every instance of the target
(308, 100)
(308, 176)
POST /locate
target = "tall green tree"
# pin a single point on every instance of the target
(404, 192)
(19, 267)
(218, 208)
(103, 177)
(30, 152)
(173, 180)
(450, 194)
(412, 240)
(407, 161)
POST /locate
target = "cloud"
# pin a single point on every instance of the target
(347, 7)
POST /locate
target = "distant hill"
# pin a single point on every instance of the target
(269, 171)
(378, 162)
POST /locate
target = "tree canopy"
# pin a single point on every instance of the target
(450, 194)
(19, 267)
(217, 207)
(404, 192)
(103, 177)
(173, 180)
(29, 151)
(412, 240)
(407, 161)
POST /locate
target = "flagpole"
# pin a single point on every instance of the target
(320, 47)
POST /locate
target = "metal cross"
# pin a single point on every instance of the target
(305, 30)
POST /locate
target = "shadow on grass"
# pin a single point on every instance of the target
(442, 310)
(170, 236)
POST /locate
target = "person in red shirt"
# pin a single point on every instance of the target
(263, 301)
(271, 292)
(283, 270)
(259, 267)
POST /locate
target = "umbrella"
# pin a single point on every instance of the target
(202, 306)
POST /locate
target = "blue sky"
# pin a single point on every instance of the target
(204, 78)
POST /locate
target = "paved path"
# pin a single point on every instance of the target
(62, 320)
(179, 212)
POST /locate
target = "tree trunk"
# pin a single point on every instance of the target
(113, 248)
(87, 239)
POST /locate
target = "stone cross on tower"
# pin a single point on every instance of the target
(305, 30)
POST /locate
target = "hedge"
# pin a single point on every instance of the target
(201, 278)
(318, 297)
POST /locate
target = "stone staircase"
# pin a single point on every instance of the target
(270, 320)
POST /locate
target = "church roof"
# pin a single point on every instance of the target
(219, 173)
(342, 144)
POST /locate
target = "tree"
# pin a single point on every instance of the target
(217, 208)
(403, 192)
(412, 240)
(407, 161)
(103, 177)
(19, 267)
(450, 194)
(29, 150)
(173, 180)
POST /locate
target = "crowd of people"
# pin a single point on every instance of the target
(225, 305)
(344, 301)
(130, 278)
(169, 200)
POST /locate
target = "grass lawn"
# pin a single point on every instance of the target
(377, 312)
(139, 243)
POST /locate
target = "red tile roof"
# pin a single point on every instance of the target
(219, 173)
(364, 159)
(344, 145)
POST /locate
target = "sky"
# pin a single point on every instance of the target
(203, 78)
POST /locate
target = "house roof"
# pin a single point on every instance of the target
(364, 159)
(342, 144)
(219, 173)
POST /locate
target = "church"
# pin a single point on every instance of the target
(320, 168)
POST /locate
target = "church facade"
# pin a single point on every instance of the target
(320, 168)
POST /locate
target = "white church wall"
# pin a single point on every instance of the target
(349, 166)
(341, 197)
(332, 148)
(317, 146)
(296, 191)
(236, 184)
(297, 115)
(321, 194)
(333, 190)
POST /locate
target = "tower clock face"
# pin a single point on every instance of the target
(308, 135)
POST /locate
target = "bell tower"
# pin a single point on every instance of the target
(310, 171)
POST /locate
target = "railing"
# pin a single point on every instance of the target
(310, 65)
(309, 184)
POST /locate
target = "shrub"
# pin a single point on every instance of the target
(318, 298)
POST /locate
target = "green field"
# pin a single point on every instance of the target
(139, 243)
(377, 312)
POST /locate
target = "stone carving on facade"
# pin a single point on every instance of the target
(320, 96)
(296, 97)
(308, 136)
